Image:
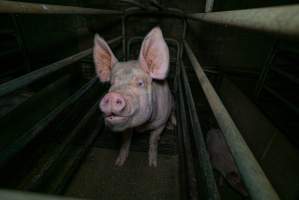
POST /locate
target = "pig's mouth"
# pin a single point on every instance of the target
(115, 119)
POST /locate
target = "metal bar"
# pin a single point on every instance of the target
(36, 8)
(283, 20)
(58, 153)
(18, 195)
(282, 99)
(181, 149)
(21, 42)
(255, 180)
(207, 174)
(156, 4)
(209, 6)
(168, 12)
(183, 132)
(28, 136)
(78, 157)
(9, 52)
(287, 75)
(26, 79)
(124, 37)
(265, 70)
(134, 3)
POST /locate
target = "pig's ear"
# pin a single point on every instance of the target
(103, 58)
(154, 54)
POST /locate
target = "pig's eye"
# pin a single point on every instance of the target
(140, 83)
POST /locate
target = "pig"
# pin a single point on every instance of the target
(139, 98)
(222, 160)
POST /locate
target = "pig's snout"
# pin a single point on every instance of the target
(112, 103)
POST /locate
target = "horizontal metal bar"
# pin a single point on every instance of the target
(58, 153)
(36, 8)
(287, 75)
(255, 180)
(26, 79)
(282, 99)
(283, 20)
(168, 12)
(8, 52)
(28, 136)
(134, 3)
(18, 195)
(78, 156)
(156, 4)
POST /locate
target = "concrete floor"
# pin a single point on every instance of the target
(98, 178)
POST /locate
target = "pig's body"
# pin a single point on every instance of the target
(139, 97)
(162, 107)
(222, 160)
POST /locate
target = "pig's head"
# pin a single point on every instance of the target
(129, 102)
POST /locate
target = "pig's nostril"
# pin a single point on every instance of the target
(106, 101)
(118, 101)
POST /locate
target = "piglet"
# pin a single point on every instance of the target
(139, 98)
(222, 160)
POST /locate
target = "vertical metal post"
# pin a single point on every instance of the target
(124, 37)
(265, 70)
(184, 136)
(209, 6)
(21, 42)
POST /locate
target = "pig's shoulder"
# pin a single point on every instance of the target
(162, 107)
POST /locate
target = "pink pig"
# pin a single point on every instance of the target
(222, 160)
(139, 97)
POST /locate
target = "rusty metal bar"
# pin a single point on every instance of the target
(255, 180)
(36, 8)
(26, 79)
(282, 20)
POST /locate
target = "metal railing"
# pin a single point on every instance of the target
(26, 79)
(254, 178)
(36, 8)
(22, 81)
(13, 195)
(280, 20)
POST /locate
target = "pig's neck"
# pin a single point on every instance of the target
(161, 106)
